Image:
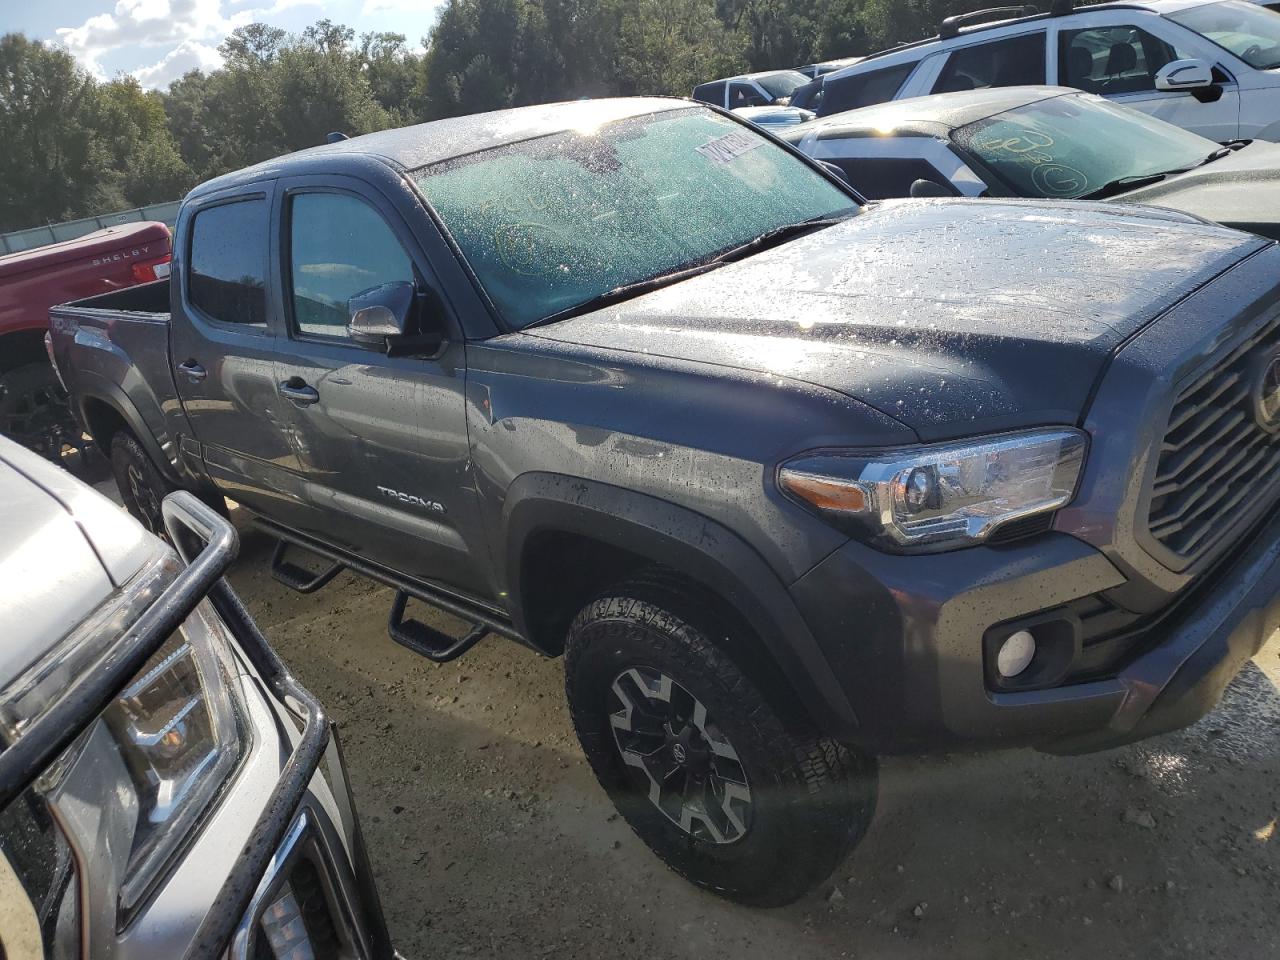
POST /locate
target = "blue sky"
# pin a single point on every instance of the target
(159, 40)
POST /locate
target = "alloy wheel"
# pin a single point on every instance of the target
(678, 757)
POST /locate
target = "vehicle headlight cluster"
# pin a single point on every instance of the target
(176, 730)
(940, 495)
(145, 772)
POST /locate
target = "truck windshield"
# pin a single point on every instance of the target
(553, 222)
(1069, 147)
(1249, 31)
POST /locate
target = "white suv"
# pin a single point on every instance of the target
(1213, 68)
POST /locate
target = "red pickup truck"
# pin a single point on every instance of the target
(33, 407)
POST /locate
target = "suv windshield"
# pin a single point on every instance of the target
(1249, 31)
(553, 222)
(1071, 146)
(779, 85)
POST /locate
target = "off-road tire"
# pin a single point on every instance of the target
(812, 798)
(142, 486)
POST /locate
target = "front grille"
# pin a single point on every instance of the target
(1216, 461)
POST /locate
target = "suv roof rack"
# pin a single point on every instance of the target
(978, 21)
(952, 25)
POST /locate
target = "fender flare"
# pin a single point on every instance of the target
(690, 544)
(105, 392)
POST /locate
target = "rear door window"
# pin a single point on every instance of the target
(1112, 60)
(1001, 63)
(862, 89)
(710, 93)
(228, 262)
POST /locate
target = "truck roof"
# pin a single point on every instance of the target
(425, 143)
(90, 245)
(64, 549)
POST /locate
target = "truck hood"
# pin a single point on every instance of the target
(954, 317)
(1241, 190)
(64, 549)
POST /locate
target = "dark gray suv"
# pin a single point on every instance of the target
(790, 480)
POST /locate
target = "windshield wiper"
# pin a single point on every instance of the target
(777, 235)
(628, 290)
(1120, 185)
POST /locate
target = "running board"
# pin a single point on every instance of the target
(435, 645)
(298, 578)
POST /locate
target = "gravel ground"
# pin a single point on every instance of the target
(490, 837)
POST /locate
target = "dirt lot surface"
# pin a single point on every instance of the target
(491, 838)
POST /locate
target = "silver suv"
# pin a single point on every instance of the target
(160, 793)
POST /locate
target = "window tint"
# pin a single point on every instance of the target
(227, 276)
(710, 93)
(339, 247)
(1004, 63)
(1111, 60)
(862, 89)
(882, 178)
(744, 95)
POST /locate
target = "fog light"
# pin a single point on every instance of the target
(1016, 653)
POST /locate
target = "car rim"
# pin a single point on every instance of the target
(676, 754)
(38, 419)
(143, 497)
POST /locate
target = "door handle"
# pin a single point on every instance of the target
(194, 372)
(297, 390)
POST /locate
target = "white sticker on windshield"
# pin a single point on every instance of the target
(729, 147)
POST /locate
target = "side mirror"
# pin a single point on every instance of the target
(836, 171)
(380, 313)
(1191, 74)
(929, 188)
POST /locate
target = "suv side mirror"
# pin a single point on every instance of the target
(1192, 74)
(929, 188)
(380, 313)
(836, 171)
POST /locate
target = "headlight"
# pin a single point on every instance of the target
(176, 731)
(147, 769)
(951, 494)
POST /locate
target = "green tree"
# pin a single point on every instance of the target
(52, 159)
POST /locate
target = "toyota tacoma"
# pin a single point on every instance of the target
(792, 481)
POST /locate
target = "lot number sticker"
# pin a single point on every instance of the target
(729, 147)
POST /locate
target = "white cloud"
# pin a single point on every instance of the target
(399, 6)
(188, 55)
(148, 23)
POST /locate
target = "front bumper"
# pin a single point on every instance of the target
(904, 635)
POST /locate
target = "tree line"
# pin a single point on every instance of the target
(75, 146)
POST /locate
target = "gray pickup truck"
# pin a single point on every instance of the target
(792, 481)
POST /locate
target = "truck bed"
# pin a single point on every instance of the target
(150, 299)
(112, 352)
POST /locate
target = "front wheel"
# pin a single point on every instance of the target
(736, 795)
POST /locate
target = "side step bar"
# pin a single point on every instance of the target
(295, 577)
(433, 644)
(427, 641)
